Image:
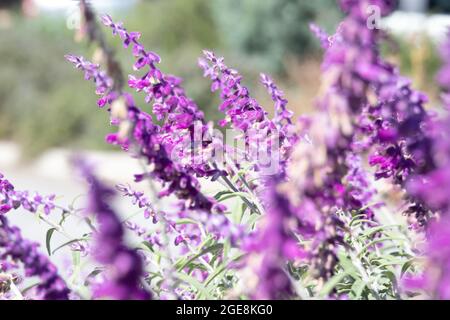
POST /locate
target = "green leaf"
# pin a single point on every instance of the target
(196, 284)
(186, 221)
(348, 266)
(148, 245)
(48, 238)
(333, 282)
(66, 244)
(214, 248)
(358, 288)
(24, 291)
(221, 193)
(406, 266)
(93, 273)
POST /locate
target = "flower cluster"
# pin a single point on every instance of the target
(92, 71)
(146, 137)
(11, 199)
(277, 244)
(325, 175)
(15, 249)
(139, 199)
(262, 136)
(170, 103)
(124, 266)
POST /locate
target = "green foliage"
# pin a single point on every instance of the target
(42, 102)
(373, 263)
(440, 5)
(272, 30)
(9, 3)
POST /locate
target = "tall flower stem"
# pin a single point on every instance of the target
(95, 34)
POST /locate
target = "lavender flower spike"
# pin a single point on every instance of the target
(11, 199)
(124, 265)
(277, 244)
(92, 71)
(17, 249)
(283, 116)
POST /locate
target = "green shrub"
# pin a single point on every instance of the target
(271, 30)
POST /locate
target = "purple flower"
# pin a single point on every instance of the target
(392, 128)
(13, 199)
(124, 266)
(152, 145)
(92, 72)
(436, 278)
(283, 116)
(323, 37)
(139, 199)
(277, 244)
(263, 140)
(431, 187)
(169, 103)
(17, 249)
(244, 112)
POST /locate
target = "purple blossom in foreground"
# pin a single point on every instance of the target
(11, 199)
(433, 189)
(124, 266)
(325, 175)
(436, 278)
(388, 117)
(14, 248)
(391, 120)
(276, 244)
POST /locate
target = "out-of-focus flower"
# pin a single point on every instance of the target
(13, 247)
(432, 188)
(276, 243)
(124, 266)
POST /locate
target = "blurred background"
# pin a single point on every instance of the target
(47, 110)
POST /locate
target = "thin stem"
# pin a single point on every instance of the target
(252, 206)
(247, 187)
(57, 227)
